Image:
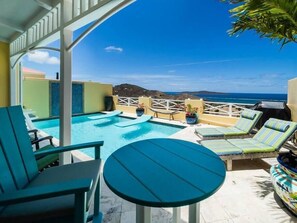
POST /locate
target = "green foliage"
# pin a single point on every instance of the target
(274, 19)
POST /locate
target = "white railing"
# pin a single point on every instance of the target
(213, 108)
(168, 104)
(128, 101)
(42, 29)
(225, 109)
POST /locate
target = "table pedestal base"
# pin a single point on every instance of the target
(144, 214)
(194, 213)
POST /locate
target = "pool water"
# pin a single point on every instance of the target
(87, 130)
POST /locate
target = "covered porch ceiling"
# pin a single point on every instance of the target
(16, 16)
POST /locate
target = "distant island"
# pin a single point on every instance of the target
(130, 90)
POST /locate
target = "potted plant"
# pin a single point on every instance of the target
(191, 115)
(140, 109)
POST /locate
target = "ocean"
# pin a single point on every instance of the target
(245, 98)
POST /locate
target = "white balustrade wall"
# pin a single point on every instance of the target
(213, 108)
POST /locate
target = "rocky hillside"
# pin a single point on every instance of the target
(129, 90)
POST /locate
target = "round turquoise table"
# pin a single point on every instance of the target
(164, 173)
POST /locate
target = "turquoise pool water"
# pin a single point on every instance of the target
(86, 130)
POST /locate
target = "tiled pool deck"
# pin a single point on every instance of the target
(246, 196)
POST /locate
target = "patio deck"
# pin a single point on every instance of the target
(246, 196)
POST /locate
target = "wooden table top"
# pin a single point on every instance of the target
(164, 172)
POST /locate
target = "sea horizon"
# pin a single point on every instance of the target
(242, 98)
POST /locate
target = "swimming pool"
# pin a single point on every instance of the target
(86, 130)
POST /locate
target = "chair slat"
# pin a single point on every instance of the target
(6, 181)
(23, 140)
(10, 150)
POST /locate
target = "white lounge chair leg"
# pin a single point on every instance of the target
(229, 165)
(143, 214)
(194, 213)
(176, 215)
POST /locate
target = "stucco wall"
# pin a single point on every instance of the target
(292, 98)
(36, 96)
(4, 74)
(94, 94)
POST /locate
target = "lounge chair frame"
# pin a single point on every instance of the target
(256, 155)
(233, 136)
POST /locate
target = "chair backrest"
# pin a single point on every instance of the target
(275, 132)
(17, 162)
(248, 119)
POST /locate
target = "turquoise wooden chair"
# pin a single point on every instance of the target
(58, 194)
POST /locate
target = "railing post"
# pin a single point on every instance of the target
(129, 101)
(230, 109)
(167, 104)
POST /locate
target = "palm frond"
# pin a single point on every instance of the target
(274, 19)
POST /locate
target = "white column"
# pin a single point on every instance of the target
(13, 83)
(65, 84)
(20, 81)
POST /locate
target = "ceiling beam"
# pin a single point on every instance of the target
(10, 25)
(46, 4)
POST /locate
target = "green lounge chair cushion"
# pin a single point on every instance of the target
(248, 120)
(56, 206)
(251, 145)
(243, 126)
(277, 125)
(229, 131)
(274, 137)
(248, 114)
(221, 147)
(208, 132)
(219, 132)
(46, 160)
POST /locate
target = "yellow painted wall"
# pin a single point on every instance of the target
(217, 120)
(292, 98)
(36, 96)
(94, 94)
(4, 74)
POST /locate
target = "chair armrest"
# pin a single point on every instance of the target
(35, 133)
(33, 130)
(50, 138)
(96, 145)
(48, 191)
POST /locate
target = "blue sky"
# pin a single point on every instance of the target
(176, 46)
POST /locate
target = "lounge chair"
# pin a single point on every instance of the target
(142, 119)
(108, 115)
(242, 128)
(266, 143)
(58, 194)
